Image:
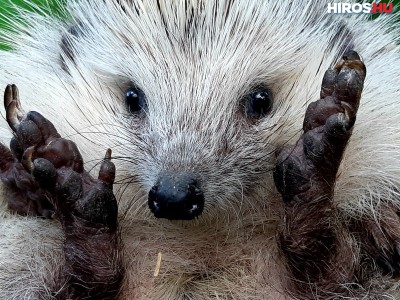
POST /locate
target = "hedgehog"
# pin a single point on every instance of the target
(197, 149)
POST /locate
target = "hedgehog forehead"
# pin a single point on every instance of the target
(181, 43)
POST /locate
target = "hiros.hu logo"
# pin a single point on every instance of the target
(356, 8)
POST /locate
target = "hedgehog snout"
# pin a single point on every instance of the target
(176, 196)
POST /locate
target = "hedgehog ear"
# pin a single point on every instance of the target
(67, 45)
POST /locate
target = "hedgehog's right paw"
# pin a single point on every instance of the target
(23, 194)
(41, 166)
(42, 170)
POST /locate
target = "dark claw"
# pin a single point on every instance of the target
(12, 104)
(11, 115)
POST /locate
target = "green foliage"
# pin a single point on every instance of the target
(8, 9)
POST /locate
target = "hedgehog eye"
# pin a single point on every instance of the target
(135, 99)
(259, 103)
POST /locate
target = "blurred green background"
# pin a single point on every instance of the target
(7, 9)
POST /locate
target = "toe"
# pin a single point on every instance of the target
(107, 170)
(44, 173)
(45, 127)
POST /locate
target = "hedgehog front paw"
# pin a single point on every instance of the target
(23, 193)
(40, 170)
(305, 175)
(43, 173)
(308, 169)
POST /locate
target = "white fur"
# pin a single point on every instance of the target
(194, 83)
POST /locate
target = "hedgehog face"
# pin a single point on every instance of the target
(201, 102)
(204, 155)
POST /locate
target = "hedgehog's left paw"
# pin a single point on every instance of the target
(308, 170)
(305, 175)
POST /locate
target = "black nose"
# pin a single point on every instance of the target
(176, 197)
